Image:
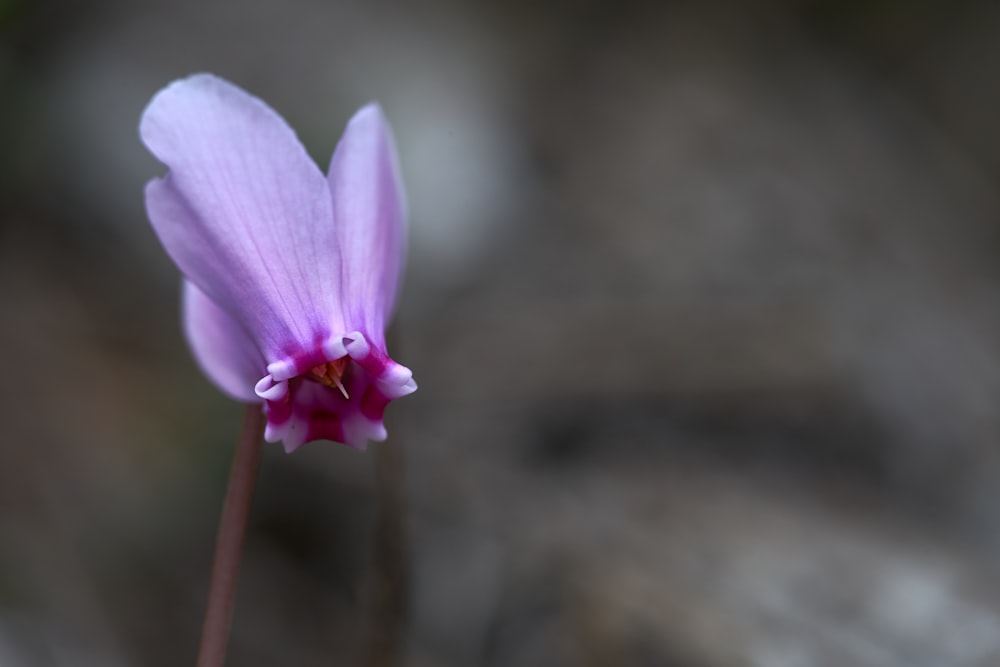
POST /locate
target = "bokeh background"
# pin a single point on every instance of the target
(703, 300)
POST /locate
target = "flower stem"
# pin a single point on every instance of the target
(229, 543)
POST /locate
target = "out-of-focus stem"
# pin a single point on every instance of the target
(229, 543)
(390, 583)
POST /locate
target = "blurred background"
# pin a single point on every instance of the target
(703, 300)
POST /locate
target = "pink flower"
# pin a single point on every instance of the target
(290, 275)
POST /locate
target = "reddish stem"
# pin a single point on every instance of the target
(229, 544)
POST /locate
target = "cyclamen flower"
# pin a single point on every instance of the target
(290, 275)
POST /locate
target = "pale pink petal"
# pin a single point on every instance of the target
(222, 348)
(369, 209)
(244, 212)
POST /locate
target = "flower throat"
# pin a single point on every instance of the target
(331, 374)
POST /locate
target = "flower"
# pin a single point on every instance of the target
(290, 275)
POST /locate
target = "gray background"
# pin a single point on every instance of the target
(702, 299)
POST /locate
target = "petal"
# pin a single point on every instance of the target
(244, 212)
(223, 350)
(370, 210)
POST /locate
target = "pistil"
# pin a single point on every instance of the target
(331, 374)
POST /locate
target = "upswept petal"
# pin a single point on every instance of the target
(244, 212)
(370, 212)
(223, 350)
